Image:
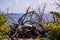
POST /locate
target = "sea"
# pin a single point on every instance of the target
(14, 17)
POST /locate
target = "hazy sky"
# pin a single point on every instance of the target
(20, 6)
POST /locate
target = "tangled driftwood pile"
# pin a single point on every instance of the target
(21, 30)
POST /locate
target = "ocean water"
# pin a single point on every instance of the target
(15, 16)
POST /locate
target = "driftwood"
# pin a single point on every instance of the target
(27, 31)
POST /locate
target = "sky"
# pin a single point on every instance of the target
(20, 6)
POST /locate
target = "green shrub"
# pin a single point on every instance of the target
(53, 31)
(53, 28)
(4, 28)
(39, 38)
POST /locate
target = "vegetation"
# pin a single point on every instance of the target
(53, 28)
(39, 38)
(3, 19)
(4, 28)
